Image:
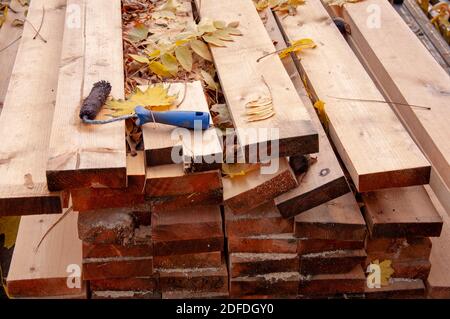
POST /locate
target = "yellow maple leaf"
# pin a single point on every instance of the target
(155, 97)
(9, 227)
(386, 271)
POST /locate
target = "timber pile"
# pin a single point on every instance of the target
(347, 189)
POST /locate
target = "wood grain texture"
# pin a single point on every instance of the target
(32, 90)
(353, 281)
(427, 84)
(85, 199)
(339, 219)
(401, 212)
(399, 289)
(438, 282)
(82, 155)
(165, 144)
(244, 193)
(377, 151)
(44, 272)
(325, 179)
(242, 77)
(9, 45)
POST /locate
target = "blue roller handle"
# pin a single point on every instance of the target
(186, 119)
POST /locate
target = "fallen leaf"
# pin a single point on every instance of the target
(159, 69)
(170, 5)
(209, 80)
(17, 23)
(221, 116)
(184, 56)
(200, 48)
(206, 25)
(170, 62)
(297, 46)
(213, 39)
(339, 3)
(152, 97)
(138, 33)
(9, 227)
(386, 271)
(233, 170)
(140, 59)
(3, 13)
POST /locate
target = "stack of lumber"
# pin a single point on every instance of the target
(166, 222)
(399, 234)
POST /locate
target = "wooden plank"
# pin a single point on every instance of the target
(164, 144)
(170, 180)
(398, 248)
(273, 243)
(47, 270)
(430, 30)
(331, 262)
(339, 219)
(242, 79)
(187, 231)
(263, 220)
(252, 264)
(9, 44)
(399, 289)
(85, 199)
(24, 150)
(325, 179)
(83, 155)
(438, 282)
(401, 212)
(377, 151)
(276, 284)
(244, 193)
(353, 281)
(427, 84)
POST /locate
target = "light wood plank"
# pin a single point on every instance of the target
(44, 272)
(242, 81)
(377, 150)
(27, 114)
(9, 44)
(389, 59)
(83, 155)
(196, 149)
(325, 179)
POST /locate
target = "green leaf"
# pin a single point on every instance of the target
(184, 56)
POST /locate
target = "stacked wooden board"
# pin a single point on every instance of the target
(151, 227)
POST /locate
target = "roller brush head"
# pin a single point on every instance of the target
(95, 100)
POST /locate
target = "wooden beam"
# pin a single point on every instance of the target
(242, 79)
(339, 219)
(427, 84)
(243, 193)
(398, 289)
(9, 44)
(438, 283)
(85, 199)
(325, 179)
(82, 155)
(201, 151)
(401, 212)
(45, 271)
(377, 151)
(31, 95)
